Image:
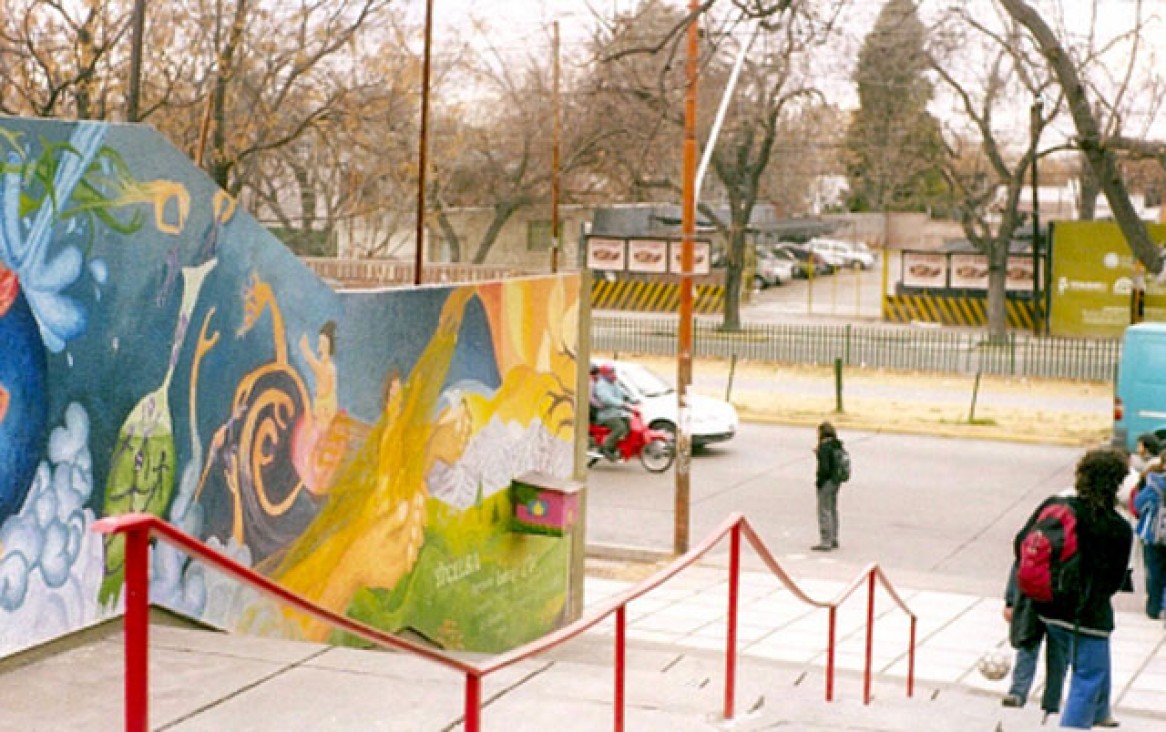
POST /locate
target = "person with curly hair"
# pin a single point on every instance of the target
(1080, 628)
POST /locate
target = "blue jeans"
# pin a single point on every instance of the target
(1024, 671)
(1088, 701)
(1155, 557)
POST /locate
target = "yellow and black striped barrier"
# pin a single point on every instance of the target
(653, 296)
(953, 310)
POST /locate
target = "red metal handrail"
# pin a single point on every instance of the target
(140, 527)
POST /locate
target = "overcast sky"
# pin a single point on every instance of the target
(518, 25)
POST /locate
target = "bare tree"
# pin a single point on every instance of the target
(355, 170)
(1091, 139)
(61, 59)
(495, 153)
(266, 94)
(987, 164)
(776, 87)
(640, 86)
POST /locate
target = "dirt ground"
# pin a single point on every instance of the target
(1028, 410)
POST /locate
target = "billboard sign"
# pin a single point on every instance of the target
(969, 271)
(648, 255)
(606, 254)
(924, 269)
(1093, 277)
(700, 258)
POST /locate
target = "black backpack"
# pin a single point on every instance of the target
(1048, 566)
(841, 464)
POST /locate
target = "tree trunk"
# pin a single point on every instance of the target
(450, 235)
(221, 165)
(733, 273)
(997, 290)
(502, 214)
(1087, 196)
(731, 319)
(1100, 157)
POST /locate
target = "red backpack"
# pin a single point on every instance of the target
(1048, 564)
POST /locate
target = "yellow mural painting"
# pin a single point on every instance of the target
(371, 528)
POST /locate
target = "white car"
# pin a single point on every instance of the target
(830, 251)
(843, 253)
(710, 420)
(771, 271)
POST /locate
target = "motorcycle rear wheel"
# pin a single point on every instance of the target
(657, 456)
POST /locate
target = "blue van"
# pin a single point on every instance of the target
(1139, 399)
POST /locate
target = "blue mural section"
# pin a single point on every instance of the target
(161, 352)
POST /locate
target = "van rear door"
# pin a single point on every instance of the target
(1140, 392)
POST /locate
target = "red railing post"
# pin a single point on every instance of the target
(911, 660)
(621, 615)
(473, 702)
(731, 633)
(137, 629)
(830, 632)
(870, 605)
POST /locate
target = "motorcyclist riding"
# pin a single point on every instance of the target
(610, 409)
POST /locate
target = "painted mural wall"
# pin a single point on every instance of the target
(161, 352)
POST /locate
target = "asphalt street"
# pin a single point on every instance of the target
(935, 512)
(940, 511)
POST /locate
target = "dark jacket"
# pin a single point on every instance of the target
(1104, 541)
(1025, 630)
(827, 453)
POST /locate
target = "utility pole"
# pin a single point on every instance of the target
(422, 162)
(137, 28)
(687, 232)
(555, 157)
(1035, 123)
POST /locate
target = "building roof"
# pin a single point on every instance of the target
(665, 220)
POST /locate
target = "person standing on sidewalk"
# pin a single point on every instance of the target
(1080, 628)
(1148, 504)
(827, 482)
(1026, 633)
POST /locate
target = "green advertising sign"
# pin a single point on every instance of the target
(1093, 280)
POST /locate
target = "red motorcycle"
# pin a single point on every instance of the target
(654, 447)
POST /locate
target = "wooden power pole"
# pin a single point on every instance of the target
(687, 232)
(422, 157)
(555, 157)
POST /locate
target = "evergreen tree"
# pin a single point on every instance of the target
(893, 145)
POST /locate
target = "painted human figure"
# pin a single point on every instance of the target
(325, 403)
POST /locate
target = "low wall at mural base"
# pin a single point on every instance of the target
(162, 353)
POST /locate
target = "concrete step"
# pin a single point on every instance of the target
(213, 681)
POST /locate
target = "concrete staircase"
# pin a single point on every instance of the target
(204, 680)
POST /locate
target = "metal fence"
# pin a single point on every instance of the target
(889, 347)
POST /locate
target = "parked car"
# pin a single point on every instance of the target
(830, 251)
(862, 253)
(843, 253)
(807, 261)
(710, 420)
(770, 270)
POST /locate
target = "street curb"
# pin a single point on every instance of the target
(624, 553)
(952, 432)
